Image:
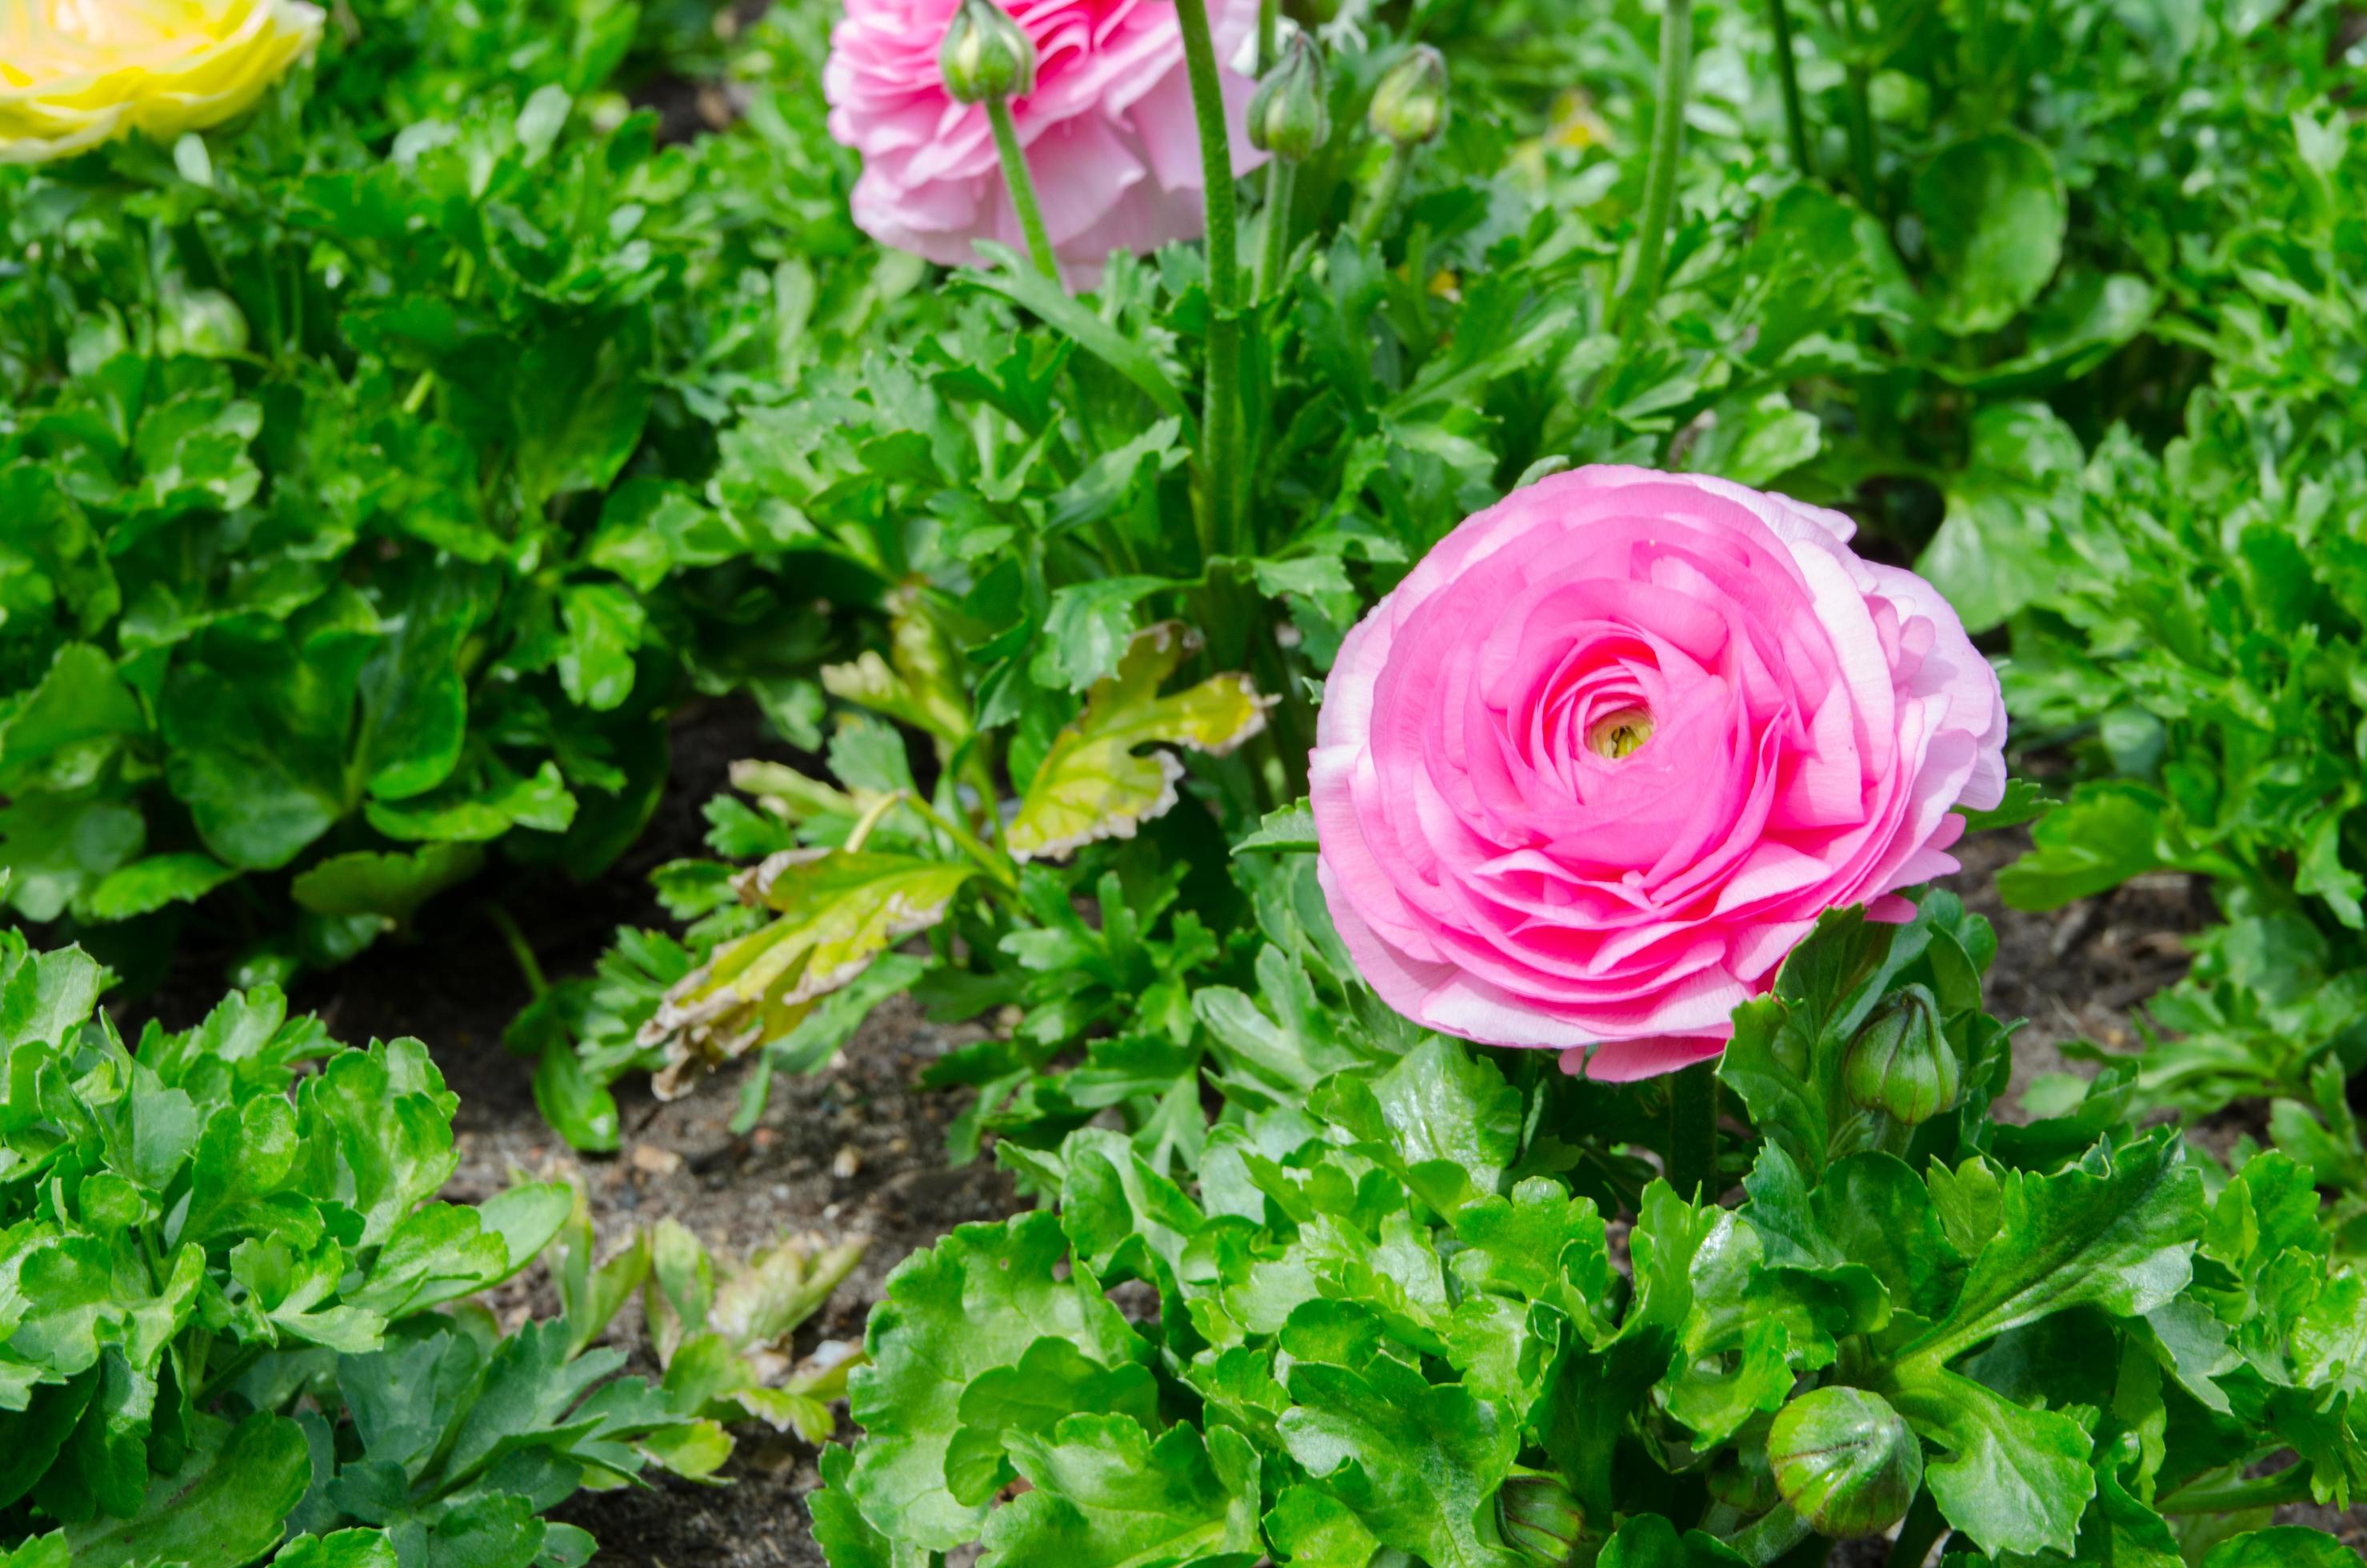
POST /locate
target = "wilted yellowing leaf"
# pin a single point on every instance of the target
(838, 911)
(1094, 784)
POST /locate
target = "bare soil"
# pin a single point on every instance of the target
(859, 1149)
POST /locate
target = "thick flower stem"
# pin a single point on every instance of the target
(2273, 1490)
(1787, 73)
(1766, 1540)
(1274, 253)
(1693, 1133)
(1384, 195)
(1269, 34)
(1668, 144)
(1923, 1527)
(1859, 123)
(1220, 418)
(1021, 186)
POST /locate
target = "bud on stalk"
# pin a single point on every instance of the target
(1901, 1064)
(1539, 1518)
(1409, 106)
(1290, 117)
(1845, 1462)
(989, 59)
(986, 57)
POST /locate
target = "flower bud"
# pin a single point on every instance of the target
(1901, 1064)
(1290, 117)
(1845, 1462)
(1409, 106)
(986, 55)
(1539, 1517)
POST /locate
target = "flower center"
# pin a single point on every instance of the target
(1620, 735)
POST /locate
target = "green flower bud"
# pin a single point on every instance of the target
(1289, 116)
(1539, 1518)
(1845, 1462)
(986, 55)
(1409, 106)
(1901, 1064)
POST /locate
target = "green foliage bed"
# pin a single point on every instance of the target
(383, 472)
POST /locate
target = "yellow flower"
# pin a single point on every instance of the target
(75, 73)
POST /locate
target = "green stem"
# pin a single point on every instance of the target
(1221, 404)
(1693, 1133)
(228, 1373)
(2288, 1485)
(1287, 720)
(1787, 72)
(520, 949)
(1860, 138)
(1668, 144)
(1923, 1527)
(993, 862)
(1860, 97)
(1274, 253)
(1384, 195)
(1777, 1531)
(1269, 34)
(1021, 186)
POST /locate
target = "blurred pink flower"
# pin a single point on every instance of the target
(1111, 141)
(1599, 761)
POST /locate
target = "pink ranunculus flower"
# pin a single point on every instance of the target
(1599, 761)
(1111, 141)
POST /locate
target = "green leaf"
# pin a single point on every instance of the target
(1103, 1495)
(56, 852)
(580, 1110)
(222, 1509)
(2116, 1232)
(42, 1551)
(1418, 1464)
(2024, 801)
(1090, 628)
(1649, 1541)
(1093, 785)
(2288, 1546)
(473, 811)
(1285, 830)
(340, 1548)
(580, 400)
(1052, 1381)
(147, 885)
(256, 722)
(391, 884)
(848, 1539)
(975, 1301)
(1318, 1531)
(1024, 285)
(2075, 328)
(2016, 1479)
(1439, 1106)
(2106, 834)
(2001, 545)
(603, 625)
(414, 701)
(1994, 212)
(63, 731)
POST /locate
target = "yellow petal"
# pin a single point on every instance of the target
(75, 73)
